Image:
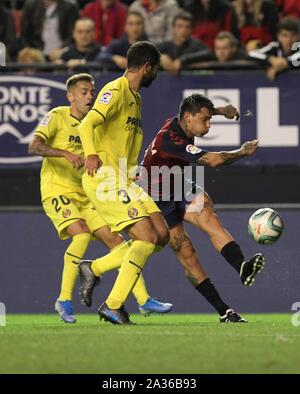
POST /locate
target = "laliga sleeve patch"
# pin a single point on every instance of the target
(106, 97)
(193, 149)
(46, 119)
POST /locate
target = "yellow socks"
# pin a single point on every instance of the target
(73, 255)
(136, 251)
(131, 268)
(140, 291)
(111, 260)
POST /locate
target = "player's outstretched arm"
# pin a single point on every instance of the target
(229, 111)
(39, 147)
(86, 132)
(216, 159)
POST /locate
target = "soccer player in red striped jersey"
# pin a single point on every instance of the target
(174, 146)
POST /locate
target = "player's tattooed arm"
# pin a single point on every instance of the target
(39, 147)
(216, 159)
(229, 111)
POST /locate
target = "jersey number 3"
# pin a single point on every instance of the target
(124, 196)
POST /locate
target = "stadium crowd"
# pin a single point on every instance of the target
(191, 34)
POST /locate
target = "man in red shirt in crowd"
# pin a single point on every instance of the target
(211, 17)
(289, 8)
(109, 17)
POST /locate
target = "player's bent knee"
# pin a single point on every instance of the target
(111, 240)
(183, 246)
(78, 227)
(164, 238)
(152, 238)
(176, 244)
(187, 249)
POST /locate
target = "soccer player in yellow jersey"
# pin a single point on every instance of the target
(112, 138)
(57, 140)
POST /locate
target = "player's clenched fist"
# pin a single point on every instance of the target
(76, 160)
(230, 112)
(249, 147)
(92, 163)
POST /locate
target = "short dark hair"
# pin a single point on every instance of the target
(72, 81)
(185, 16)
(289, 24)
(194, 103)
(142, 52)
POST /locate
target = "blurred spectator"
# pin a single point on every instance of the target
(257, 20)
(109, 17)
(282, 54)
(83, 49)
(175, 53)
(114, 56)
(48, 25)
(158, 16)
(289, 8)
(7, 32)
(211, 17)
(30, 56)
(227, 48)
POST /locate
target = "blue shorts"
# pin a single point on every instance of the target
(173, 211)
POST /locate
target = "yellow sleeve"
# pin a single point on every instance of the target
(107, 103)
(86, 132)
(47, 126)
(104, 107)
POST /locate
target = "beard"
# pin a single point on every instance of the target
(147, 80)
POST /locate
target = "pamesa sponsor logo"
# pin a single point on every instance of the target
(24, 101)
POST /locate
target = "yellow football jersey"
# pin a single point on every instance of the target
(118, 133)
(60, 130)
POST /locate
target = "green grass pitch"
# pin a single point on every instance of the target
(158, 344)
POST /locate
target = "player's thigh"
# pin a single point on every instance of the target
(77, 228)
(158, 220)
(93, 219)
(110, 239)
(96, 224)
(177, 237)
(206, 218)
(63, 212)
(161, 228)
(143, 230)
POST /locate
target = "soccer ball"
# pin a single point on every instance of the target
(265, 226)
